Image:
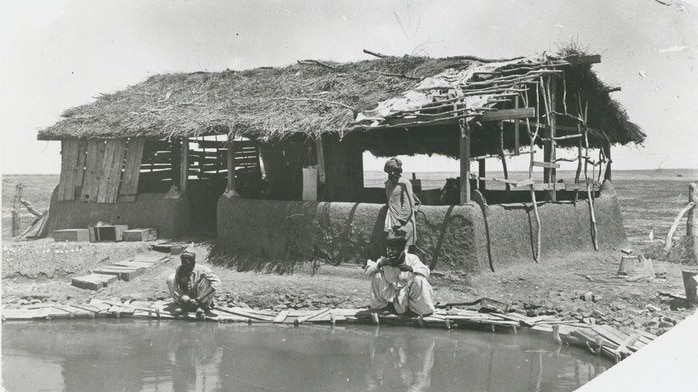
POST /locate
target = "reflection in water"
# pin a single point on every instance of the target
(401, 362)
(180, 356)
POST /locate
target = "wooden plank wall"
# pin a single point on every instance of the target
(132, 166)
(108, 188)
(69, 163)
(93, 163)
(94, 170)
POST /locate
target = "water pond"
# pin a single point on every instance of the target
(125, 355)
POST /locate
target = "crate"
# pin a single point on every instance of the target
(93, 281)
(71, 235)
(141, 235)
(107, 233)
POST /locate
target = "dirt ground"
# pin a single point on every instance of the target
(581, 286)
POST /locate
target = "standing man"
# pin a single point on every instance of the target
(193, 286)
(400, 279)
(401, 204)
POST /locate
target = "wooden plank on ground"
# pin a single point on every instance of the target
(22, 314)
(281, 316)
(92, 281)
(141, 235)
(93, 164)
(243, 312)
(71, 235)
(132, 169)
(313, 315)
(108, 188)
(69, 162)
(131, 264)
(151, 257)
(124, 273)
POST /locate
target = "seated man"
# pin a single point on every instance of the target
(400, 279)
(193, 286)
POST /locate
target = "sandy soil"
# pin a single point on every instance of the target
(580, 286)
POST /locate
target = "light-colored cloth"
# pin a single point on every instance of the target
(401, 209)
(202, 285)
(404, 289)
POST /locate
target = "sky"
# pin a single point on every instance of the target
(58, 54)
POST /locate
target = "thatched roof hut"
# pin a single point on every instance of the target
(312, 98)
(139, 140)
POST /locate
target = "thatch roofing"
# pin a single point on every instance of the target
(312, 98)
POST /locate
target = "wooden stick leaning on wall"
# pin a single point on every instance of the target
(533, 136)
(590, 199)
(501, 154)
(15, 209)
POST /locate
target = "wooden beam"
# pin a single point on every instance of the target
(516, 126)
(547, 165)
(508, 114)
(481, 173)
(184, 171)
(559, 127)
(584, 60)
(464, 162)
(230, 154)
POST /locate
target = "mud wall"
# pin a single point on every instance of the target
(170, 217)
(565, 227)
(458, 238)
(448, 237)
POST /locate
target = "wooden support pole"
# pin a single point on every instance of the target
(692, 221)
(16, 205)
(482, 173)
(175, 162)
(516, 127)
(464, 161)
(230, 154)
(607, 152)
(501, 154)
(578, 173)
(552, 172)
(184, 171)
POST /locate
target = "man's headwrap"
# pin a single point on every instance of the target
(392, 165)
(188, 256)
(396, 241)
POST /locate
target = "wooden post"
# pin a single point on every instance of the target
(230, 154)
(692, 221)
(481, 173)
(516, 127)
(176, 162)
(502, 156)
(607, 152)
(464, 161)
(16, 204)
(184, 171)
(549, 151)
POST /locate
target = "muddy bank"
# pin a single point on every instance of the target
(577, 286)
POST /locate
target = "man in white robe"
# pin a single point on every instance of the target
(193, 286)
(400, 279)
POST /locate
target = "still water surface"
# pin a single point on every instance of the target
(180, 356)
